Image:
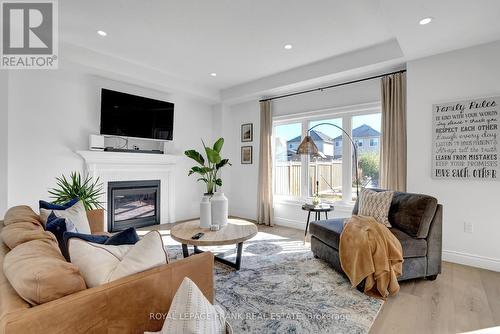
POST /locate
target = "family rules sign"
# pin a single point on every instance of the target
(465, 143)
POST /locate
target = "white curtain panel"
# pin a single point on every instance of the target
(265, 186)
(393, 143)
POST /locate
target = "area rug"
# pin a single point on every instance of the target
(282, 288)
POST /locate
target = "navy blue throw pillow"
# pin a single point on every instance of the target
(125, 237)
(52, 206)
(57, 226)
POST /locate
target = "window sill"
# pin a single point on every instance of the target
(297, 201)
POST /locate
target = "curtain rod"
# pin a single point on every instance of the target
(331, 86)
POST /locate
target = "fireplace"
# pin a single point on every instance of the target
(133, 204)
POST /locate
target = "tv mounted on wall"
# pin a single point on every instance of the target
(127, 115)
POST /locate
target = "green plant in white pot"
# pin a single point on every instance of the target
(208, 169)
(213, 208)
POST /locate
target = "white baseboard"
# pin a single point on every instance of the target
(471, 260)
(299, 225)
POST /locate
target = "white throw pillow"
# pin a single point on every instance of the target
(101, 264)
(192, 313)
(376, 204)
(75, 216)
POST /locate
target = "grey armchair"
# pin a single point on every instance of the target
(417, 223)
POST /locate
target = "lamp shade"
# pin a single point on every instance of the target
(307, 147)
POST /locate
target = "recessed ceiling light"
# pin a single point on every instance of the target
(425, 21)
(213, 74)
(288, 46)
(102, 33)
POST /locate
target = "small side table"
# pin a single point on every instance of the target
(317, 212)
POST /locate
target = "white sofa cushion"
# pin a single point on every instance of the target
(101, 264)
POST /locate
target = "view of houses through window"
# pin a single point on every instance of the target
(287, 164)
(303, 176)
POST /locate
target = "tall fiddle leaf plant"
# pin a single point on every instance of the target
(87, 189)
(208, 169)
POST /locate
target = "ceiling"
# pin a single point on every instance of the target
(243, 40)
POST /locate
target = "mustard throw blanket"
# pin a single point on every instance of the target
(369, 250)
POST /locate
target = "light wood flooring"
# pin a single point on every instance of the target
(461, 299)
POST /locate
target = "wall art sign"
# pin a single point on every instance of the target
(465, 139)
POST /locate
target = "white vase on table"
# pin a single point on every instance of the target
(219, 209)
(205, 212)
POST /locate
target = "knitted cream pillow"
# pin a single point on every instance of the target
(376, 204)
(192, 313)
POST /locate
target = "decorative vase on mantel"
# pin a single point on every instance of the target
(219, 206)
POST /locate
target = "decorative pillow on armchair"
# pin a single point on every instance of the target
(101, 263)
(376, 205)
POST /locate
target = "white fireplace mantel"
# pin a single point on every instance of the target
(101, 157)
(118, 166)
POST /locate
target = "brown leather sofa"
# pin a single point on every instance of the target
(122, 306)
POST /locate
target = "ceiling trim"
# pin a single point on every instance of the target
(124, 70)
(387, 55)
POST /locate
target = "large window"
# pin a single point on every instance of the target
(329, 174)
(366, 129)
(325, 172)
(287, 164)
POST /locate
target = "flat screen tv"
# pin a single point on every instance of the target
(129, 115)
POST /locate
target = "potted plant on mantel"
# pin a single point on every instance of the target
(86, 189)
(214, 206)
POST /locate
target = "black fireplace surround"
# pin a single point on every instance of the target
(133, 204)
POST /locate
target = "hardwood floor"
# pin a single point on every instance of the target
(461, 299)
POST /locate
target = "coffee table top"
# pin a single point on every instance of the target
(234, 232)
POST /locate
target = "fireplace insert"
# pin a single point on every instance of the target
(133, 204)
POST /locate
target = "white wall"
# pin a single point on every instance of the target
(243, 193)
(471, 72)
(4, 92)
(244, 178)
(51, 114)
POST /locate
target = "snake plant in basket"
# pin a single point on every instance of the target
(86, 188)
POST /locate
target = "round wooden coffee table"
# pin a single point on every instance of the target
(234, 233)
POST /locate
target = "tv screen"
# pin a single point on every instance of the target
(135, 116)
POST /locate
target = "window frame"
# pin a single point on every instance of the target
(305, 118)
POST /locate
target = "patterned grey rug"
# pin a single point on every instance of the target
(282, 288)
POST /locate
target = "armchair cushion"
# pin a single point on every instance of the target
(328, 231)
(412, 247)
(411, 213)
